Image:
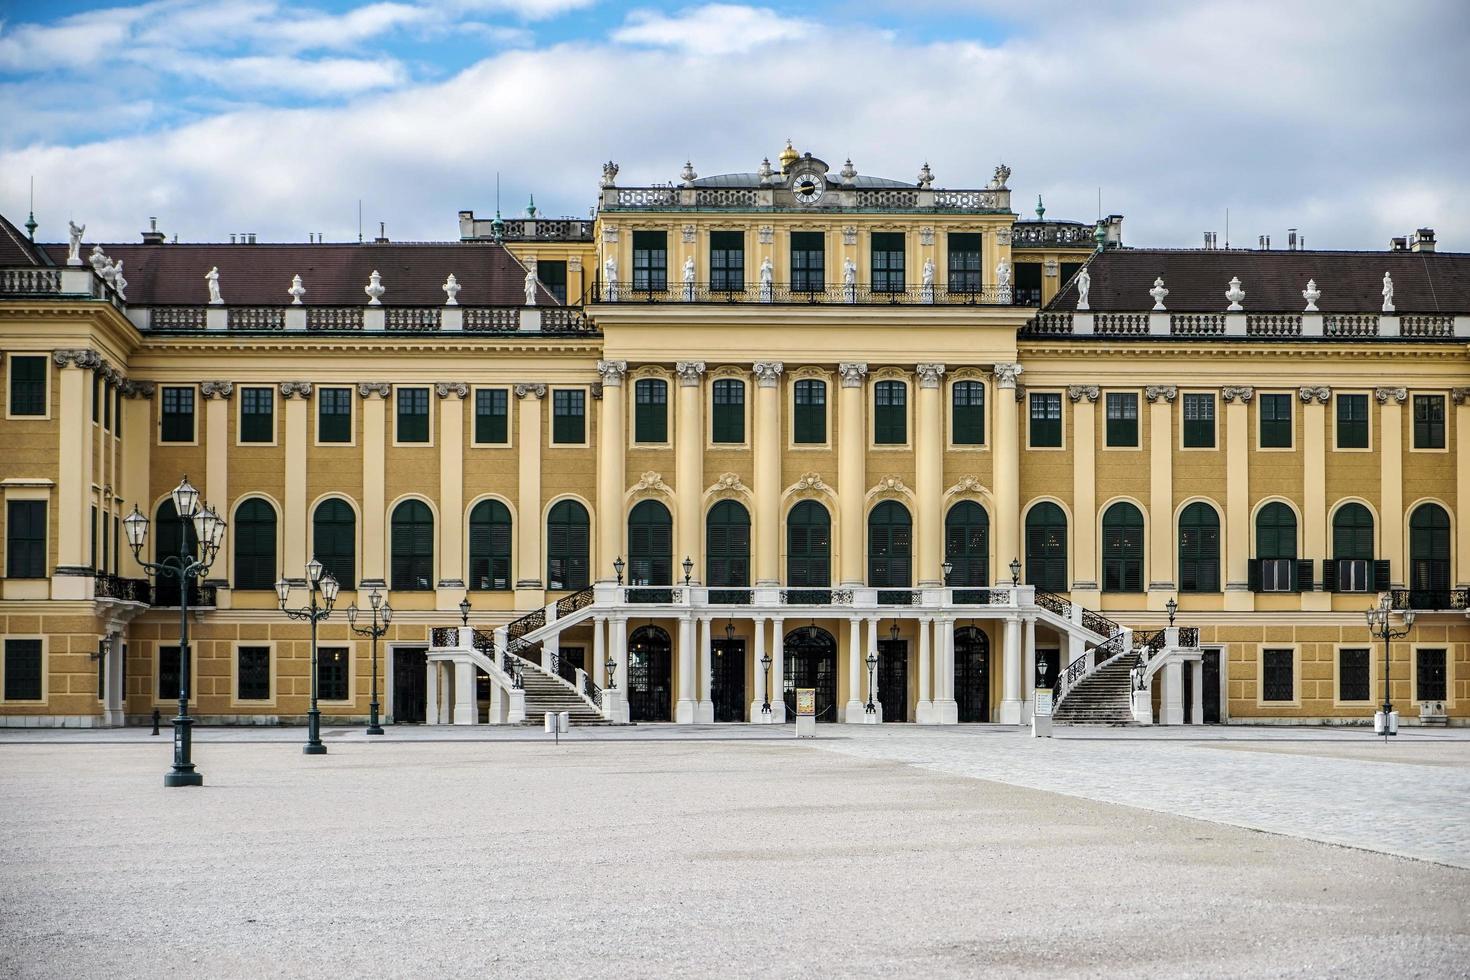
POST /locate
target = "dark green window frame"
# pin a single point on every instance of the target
(24, 660)
(334, 540)
(97, 392)
(1352, 422)
(967, 413)
(809, 546)
(1429, 421)
(552, 274)
(890, 546)
(651, 410)
(887, 251)
(890, 413)
(413, 547)
(1199, 549)
(967, 545)
(1046, 547)
(333, 673)
(492, 416)
(809, 415)
(1275, 421)
(334, 415)
(255, 545)
(1353, 673)
(176, 414)
(727, 413)
(726, 261)
(107, 408)
(1045, 419)
(727, 546)
(808, 261)
(25, 538)
(257, 415)
(650, 260)
(1199, 420)
(253, 674)
(1429, 674)
(568, 417)
(1122, 548)
(169, 665)
(413, 415)
(28, 378)
(1277, 675)
(650, 544)
(568, 535)
(1121, 408)
(966, 274)
(1276, 528)
(490, 542)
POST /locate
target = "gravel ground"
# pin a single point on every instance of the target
(601, 859)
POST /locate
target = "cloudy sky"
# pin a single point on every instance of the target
(1348, 119)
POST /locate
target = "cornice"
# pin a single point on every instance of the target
(1031, 349)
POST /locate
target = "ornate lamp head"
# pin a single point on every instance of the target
(1172, 606)
(1015, 571)
(352, 614)
(186, 498)
(330, 588)
(947, 568)
(872, 660)
(375, 597)
(387, 612)
(1409, 616)
(136, 526)
(464, 610)
(730, 629)
(893, 631)
(283, 590)
(766, 660)
(313, 572)
(688, 568)
(618, 566)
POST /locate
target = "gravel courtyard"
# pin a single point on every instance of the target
(671, 856)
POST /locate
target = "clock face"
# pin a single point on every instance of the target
(807, 187)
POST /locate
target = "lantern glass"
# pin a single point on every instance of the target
(1015, 571)
(283, 589)
(186, 499)
(136, 526)
(387, 614)
(330, 588)
(352, 614)
(313, 571)
(375, 597)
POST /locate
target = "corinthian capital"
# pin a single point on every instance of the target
(929, 374)
(612, 372)
(767, 373)
(852, 373)
(689, 373)
(1006, 375)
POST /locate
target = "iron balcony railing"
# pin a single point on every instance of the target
(125, 589)
(658, 290)
(1436, 599)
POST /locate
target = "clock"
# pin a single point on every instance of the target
(807, 187)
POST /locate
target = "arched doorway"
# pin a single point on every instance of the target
(811, 661)
(650, 544)
(1046, 547)
(890, 541)
(169, 535)
(650, 674)
(1429, 558)
(967, 544)
(972, 674)
(808, 546)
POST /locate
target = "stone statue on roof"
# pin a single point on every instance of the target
(1387, 293)
(610, 279)
(74, 243)
(212, 279)
(118, 282)
(97, 258)
(1084, 283)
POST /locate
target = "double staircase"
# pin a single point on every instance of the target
(1103, 697)
(547, 693)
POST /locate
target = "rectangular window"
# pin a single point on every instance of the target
(334, 415)
(568, 417)
(168, 674)
(176, 415)
(651, 411)
(257, 415)
(1429, 421)
(808, 261)
(727, 261)
(118, 413)
(810, 417)
(1276, 675)
(553, 275)
(1199, 421)
(1352, 675)
(331, 673)
(96, 398)
(1275, 421)
(492, 416)
(107, 409)
(650, 260)
(25, 538)
(887, 251)
(94, 539)
(1122, 409)
(890, 413)
(254, 680)
(103, 558)
(964, 262)
(1429, 675)
(967, 413)
(23, 670)
(1046, 419)
(727, 419)
(27, 385)
(413, 415)
(1352, 421)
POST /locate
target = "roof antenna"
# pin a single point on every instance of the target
(31, 221)
(1227, 227)
(359, 221)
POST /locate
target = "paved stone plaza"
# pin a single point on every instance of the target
(656, 851)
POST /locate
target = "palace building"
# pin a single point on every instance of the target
(735, 436)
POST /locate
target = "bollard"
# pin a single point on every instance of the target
(155, 722)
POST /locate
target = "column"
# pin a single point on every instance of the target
(929, 475)
(446, 692)
(684, 706)
(73, 517)
(620, 652)
(216, 490)
(374, 510)
(1461, 398)
(1314, 490)
(924, 710)
(853, 711)
(757, 703)
(529, 593)
(431, 694)
(1007, 467)
(852, 439)
(599, 652)
(1197, 690)
(137, 438)
(1010, 705)
(946, 711)
(466, 710)
(611, 466)
(113, 694)
(1028, 670)
(1161, 492)
(767, 516)
(452, 553)
(295, 553)
(1172, 706)
(778, 670)
(704, 711)
(1391, 481)
(1084, 493)
(689, 467)
(1237, 400)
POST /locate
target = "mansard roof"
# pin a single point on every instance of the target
(1273, 280)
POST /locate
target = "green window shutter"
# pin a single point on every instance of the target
(490, 543)
(257, 416)
(568, 409)
(651, 411)
(1253, 574)
(28, 385)
(1276, 426)
(1382, 575)
(253, 680)
(1329, 574)
(25, 538)
(177, 415)
(334, 540)
(1199, 421)
(810, 424)
(1046, 420)
(728, 412)
(1352, 421)
(23, 662)
(967, 413)
(413, 415)
(567, 546)
(492, 411)
(255, 545)
(334, 415)
(413, 547)
(1303, 573)
(1122, 419)
(890, 413)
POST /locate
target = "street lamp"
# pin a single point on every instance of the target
(872, 676)
(314, 612)
(188, 567)
(612, 673)
(947, 567)
(1380, 625)
(618, 566)
(688, 564)
(379, 607)
(766, 663)
(1172, 607)
(464, 610)
(1015, 571)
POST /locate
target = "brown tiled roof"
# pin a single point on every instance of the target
(1351, 282)
(16, 249)
(333, 274)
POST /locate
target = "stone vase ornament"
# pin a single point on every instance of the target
(1235, 294)
(375, 289)
(1311, 294)
(1158, 293)
(451, 291)
(296, 291)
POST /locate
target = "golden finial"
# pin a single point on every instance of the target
(788, 157)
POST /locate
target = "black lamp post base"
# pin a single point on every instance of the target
(313, 749)
(189, 778)
(375, 729)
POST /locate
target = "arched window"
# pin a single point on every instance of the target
(811, 662)
(650, 545)
(1046, 547)
(967, 544)
(1274, 568)
(1429, 558)
(809, 546)
(168, 535)
(1199, 549)
(255, 545)
(1351, 568)
(727, 546)
(567, 546)
(413, 547)
(1122, 548)
(334, 540)
(490, 546)
(650, 673)
(890, 546)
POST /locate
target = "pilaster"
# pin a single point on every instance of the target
(135, 463)
(1314, 487)
(767, 468)
(1007, 465)
(529, 592)
(1391, 480)
(611, 468)
(375, 396)
(851, 470)
(689, 467)
(451, 584)
(1237, 400)
(74, 472)
(1084, 492)
(297, 398)
(1161, 492)
(1461, 399)
(929, 475)
(216, 396)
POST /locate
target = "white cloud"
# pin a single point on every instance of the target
(714, 29)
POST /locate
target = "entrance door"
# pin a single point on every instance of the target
(972, 674)
(650, 673)
(811, 661)
(410, 675)
(1210, 681)
(728, 684)
(893, 679)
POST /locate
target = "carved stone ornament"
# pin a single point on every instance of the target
(296, 291)
(1315, 393)
(530, 389)
(849, 234)
(290, 389)
(1006, 375)
(138, 389)
(1311, 294)
(612, 372)
(1020, 393)
(1158, 293)
(810, 481)
(1049, 268)
(216, 389)
(1003, 236)
(574, 263)
(688, 234)
(689, 372)
(595, 390)
(375, 289)
(852, 373)
(729, 485)
(1230, 393)
(767, 234)
(889, 486)
(1155, 392)
(610, 234)
(84, 358)
(767, 373)
(967, 484)
(652, 480)
(1235, 295)
(926, 235)
(609, 174)
(1459, 395)
(929, 374)
(446, 388)
(1399, 395)
(1079, 392)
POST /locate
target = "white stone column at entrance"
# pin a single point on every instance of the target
(446, 692)
(1028, 673)
(598, 672)
(704, 711)
(466, 708)
(1197, 689)
(620, 653)
(946, 711)
(1010, 705)
(757, 703)
(924, 710)
(853, 712)
(778, 670)
(1172, 708)
(431, 694)
(684, 707)
(112, 678)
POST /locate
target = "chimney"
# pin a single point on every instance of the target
(1398, 244)
(153, 236)
(1422, 240)
(1114, 230)
(382, 238)
(1291, 239)
(232, 238)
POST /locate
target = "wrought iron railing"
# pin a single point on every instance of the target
(730, 597)
(511, 665)
(1098, 623)
(654, 596)
(533, 620)
(820, 294)
(593, 692)
(202, 595)
(1189, 637)
(125, 589)
(1430, 598)
(900, 597)
(816, 597)
(567, 605)
(1052, 602)
(564, 668)
(1154, 639)
(444, 636)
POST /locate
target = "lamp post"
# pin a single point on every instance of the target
(314, 612)
(688, 565)
(375, 630)
(872, 676)
(618, 566)
(1380, 625)
(1172, 607)
(947, 568)
(766, 663)
(1015, 571)
(464, 610)
(188, 567)
(612, 673)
